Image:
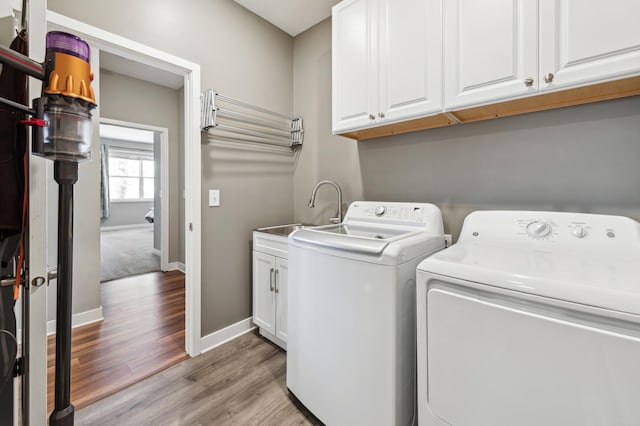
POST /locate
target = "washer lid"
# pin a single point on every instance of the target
(351, 238)
(610, 282)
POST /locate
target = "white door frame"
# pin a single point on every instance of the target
(40, 20)
(164, 181)
(190, 71)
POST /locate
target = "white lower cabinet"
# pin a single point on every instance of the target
(270, 280)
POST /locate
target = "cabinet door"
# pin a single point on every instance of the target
(282, 282)
(491, 50)
(264, 299)
(410, 51)
(588, 41)
(354, 63)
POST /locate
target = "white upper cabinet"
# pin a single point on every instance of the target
(588, 41)
(410, 58)
(355, 78)
(491, 50)
(387, 61)
(497, 50)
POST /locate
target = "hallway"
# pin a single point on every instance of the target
(142, 334)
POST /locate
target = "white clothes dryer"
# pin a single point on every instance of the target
(351, 312)
(531, 318)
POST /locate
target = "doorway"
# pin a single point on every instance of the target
(134, 194)
(40, 182)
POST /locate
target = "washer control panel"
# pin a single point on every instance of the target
(380, 211)
(415, 215)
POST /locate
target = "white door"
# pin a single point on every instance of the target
(491, 50)
(583, 42)
(410, 52)
(264, 296)
(282, 282)
(354, 62)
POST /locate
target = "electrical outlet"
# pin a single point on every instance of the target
(447, 240)
(214, 197)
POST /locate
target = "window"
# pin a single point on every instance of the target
(130, 175)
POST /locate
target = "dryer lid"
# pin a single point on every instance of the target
(600, 269)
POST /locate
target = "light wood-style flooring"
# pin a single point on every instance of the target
(239, 383)
(142, 333)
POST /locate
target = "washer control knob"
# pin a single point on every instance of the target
(380, 211)
(579, 232)
(538, 229)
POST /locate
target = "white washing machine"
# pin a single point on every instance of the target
(532, 318)
(351, 308)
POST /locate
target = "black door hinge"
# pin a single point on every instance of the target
(18, 368)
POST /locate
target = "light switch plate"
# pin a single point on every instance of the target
(214, 197)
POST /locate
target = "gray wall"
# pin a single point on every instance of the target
(582, 158)
(127, 214)
(323, 156)
(240, 56)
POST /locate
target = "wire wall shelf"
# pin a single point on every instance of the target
(240, 121)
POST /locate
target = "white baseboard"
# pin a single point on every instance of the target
(156, 252)
(220, 337)
(177, 266)
(83, 318)
(118, 227)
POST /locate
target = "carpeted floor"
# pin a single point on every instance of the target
(127, 252)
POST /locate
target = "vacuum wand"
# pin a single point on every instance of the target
(66, 174)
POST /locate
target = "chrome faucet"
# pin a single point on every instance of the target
(337, 187)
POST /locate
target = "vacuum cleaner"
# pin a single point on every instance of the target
(62, 132)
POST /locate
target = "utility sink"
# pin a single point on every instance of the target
(282, 230)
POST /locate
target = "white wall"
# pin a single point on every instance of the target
(241, 56)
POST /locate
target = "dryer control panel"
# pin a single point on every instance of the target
(555, 228)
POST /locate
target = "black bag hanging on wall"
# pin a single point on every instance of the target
(13, 146)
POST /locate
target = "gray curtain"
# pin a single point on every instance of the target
(105, 206)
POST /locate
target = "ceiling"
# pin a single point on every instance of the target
(120, 65)
(291, 16)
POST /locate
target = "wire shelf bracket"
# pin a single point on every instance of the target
(258, 125)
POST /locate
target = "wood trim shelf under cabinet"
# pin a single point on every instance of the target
(577, 96)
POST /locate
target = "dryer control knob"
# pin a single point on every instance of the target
(538, 229)
(579, 232)
(380, 211)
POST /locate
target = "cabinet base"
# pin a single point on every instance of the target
(273, 338)
(539, 102)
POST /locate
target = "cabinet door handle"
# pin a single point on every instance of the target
(277, 289)
(372, 117)
(271, 286)
(548, 77)
(528, 82)
(381, 114)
